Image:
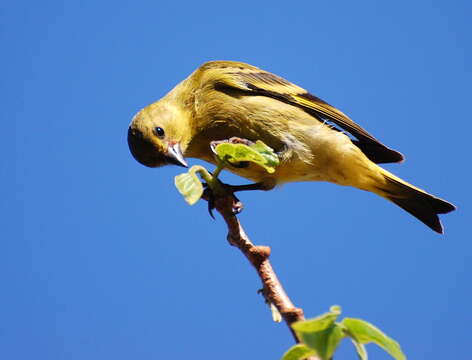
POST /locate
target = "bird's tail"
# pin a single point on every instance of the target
(417, 202)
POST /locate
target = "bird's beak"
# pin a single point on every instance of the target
(174, 155)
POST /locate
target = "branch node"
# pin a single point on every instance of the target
(259, 254)
(292, 315)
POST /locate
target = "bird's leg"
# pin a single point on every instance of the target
(229, 190)
(248, 187)
(224, 190)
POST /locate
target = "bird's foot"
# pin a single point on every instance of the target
(224, 191)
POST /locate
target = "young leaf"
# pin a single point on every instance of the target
(360, 348)
(363, 332)
(324, 342)
(318, 323)
(258, 153)
(298, 352)
(321, 334)
(271, 158)
(190, 186)
(333, 340)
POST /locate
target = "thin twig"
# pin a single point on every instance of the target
(258, 256)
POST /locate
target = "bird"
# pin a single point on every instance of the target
(313, 140)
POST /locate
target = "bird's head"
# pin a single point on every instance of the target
(156, 134)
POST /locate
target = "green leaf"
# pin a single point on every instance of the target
(321, 334)
(361, 351)
(258, 153)
(271, 158)
(333, 340)
(318, 323)
(324, 342)
(298, 352)
(336, 309)
(363, 332)
(190, 186)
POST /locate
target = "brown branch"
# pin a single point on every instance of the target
(258, 256)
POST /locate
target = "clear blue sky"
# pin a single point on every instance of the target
(101, 258)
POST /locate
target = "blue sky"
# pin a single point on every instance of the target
(101, 258)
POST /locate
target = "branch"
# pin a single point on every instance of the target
(258, 256)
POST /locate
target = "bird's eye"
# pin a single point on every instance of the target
(159, 131)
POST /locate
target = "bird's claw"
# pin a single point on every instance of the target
(209, 196)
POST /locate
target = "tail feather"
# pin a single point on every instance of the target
(417, 202)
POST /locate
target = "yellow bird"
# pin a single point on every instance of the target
(314, 140)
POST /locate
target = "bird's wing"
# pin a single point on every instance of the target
(254, 81)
